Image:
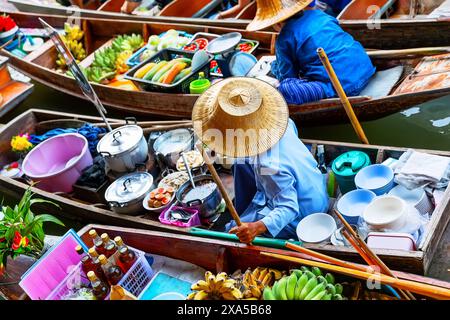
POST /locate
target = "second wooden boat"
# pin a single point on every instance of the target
(86, 211)
(413, 84)
(212, 255)
(382, 24)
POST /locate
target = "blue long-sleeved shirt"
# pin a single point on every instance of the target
(288, 185)
(297, 57)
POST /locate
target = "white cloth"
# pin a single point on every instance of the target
(416, 169)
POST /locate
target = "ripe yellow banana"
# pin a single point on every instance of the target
(267, 279)
(201, 295)
(277, 273)
(256, 292)
(201, 285)
(262, 274)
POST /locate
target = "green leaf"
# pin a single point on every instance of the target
(38, 200)
(9, 235)
(8, 212)
(49, 218)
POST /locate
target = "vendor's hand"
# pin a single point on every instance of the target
(248, 231)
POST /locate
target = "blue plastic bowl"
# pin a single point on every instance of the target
(353, 203)
(376, 177)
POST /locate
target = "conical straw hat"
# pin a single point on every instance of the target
(270, 12)
(240, 117)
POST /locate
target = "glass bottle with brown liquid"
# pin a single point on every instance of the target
(98, 267)
(112, 272)
(127, 257)
(97, 241)
(99, 288)
(109, 245)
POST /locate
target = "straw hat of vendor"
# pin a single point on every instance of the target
(240, 117)
(270, 12)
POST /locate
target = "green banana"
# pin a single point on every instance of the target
(327, 296)
(319, 296)
(300, 285)
(275, 290)
(297, 272)
(304, 268)
(310, 285)
(310, 274)
(330, 278)
(339, 288)
(331, 289)
(321, 279)
(317, 272)
(318, 288)
(268, 294)
(337, 297)
(281, 289)
(290, 287)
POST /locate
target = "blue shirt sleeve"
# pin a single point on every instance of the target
(280, 187)
(285, 53)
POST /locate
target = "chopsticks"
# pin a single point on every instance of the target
(367, 254)
(417, 287)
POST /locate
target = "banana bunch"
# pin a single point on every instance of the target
(121, 65)
(305, 284)
(127, 43)
(72, 39)
(215, 287)
(252, 283)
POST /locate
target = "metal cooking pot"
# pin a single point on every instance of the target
(125, 195)
(170, 144)
(208, 206)
(124, 148)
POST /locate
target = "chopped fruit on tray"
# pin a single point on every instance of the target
(160, 197)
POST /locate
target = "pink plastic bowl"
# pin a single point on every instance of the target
(57, 162)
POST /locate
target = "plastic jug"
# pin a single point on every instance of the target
(200, 85)
(346, 166)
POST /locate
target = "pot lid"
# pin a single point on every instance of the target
(120, 140)
(349, 163)
(173, 141)
(129, 187)
(224, 43)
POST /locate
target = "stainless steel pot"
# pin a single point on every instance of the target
(124, 148)
(168, 146)
(125, 195)
(207, 206)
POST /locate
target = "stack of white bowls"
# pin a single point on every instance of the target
(386, 212)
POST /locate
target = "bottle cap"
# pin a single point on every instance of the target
(92, 233)
(102, 258)
(79, 249)
(93, 252)
(123, 250)
(91, 276)
(105, 237)
(118, 240)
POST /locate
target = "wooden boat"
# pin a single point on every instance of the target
(33, 121)
(12, 92)
(40, 66)
(213, 255)
(381, 24)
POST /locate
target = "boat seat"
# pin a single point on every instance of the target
(382, 82)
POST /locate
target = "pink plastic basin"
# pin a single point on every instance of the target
(57, 162)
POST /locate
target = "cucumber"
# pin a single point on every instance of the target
(151, 73)
(182, 74)
(163, 70)
(185, 60)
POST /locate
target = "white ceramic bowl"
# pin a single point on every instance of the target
(386, 212)
(316, 227)
(416, 197)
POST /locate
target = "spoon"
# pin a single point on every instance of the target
(188, 169)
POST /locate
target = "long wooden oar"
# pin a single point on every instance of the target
(220, 185)
(417, 287)
(366, 253)
(340, 91)
(426, 51)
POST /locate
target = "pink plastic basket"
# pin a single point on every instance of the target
(194, 221)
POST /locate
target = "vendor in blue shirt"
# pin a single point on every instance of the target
(303, 30)
(277, 182)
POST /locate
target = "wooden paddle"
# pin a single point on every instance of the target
(220, 185)
(417, 287)
(340, 91)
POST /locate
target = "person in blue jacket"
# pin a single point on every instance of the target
(302, 30)
(276, 179)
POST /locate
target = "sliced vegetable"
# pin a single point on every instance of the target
(162, 71)
(173, 72)
(202, 43)
(149, 75)
(182, 74)
(141, 72)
